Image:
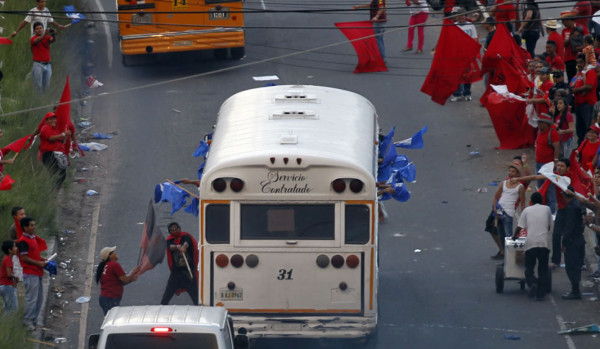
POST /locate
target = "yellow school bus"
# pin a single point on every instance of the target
(159, 26)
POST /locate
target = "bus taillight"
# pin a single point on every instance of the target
(219, 184)
(352, 261)
(337, 261)
(356, 185)
(338, 185)
(323, 261)
(236, 185)
(222, 260)
(237, 260)
(251, 260)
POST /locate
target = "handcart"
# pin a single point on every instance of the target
(513, 267)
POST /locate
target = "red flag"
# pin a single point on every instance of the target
(455, 62)
(369, 57)
(510, 122)
(18, 227)
(153, 243)
(6, 183)
(63, 111)
(503, 45)
(580, 181)
(19, 144)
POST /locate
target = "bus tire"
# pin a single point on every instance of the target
(238, 52)
(127, 60)
(220, 53)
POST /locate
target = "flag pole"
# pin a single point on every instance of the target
(182, 188)
(187, 265)
(14, 157)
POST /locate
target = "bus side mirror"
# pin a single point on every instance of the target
(93, 341)
(241, 339)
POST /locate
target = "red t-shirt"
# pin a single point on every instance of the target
(41, 50)
(589, 97)
(556, 63)
(32, 246)
(504, 11)
(110, 284)
(565, 136)
(560, 44)
(543, 91)
(4, 279)
(46, 144)
(587, 151)
(544, 153)
(583, 8)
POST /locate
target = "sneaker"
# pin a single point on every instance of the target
(456, 98)
(468, 98)
(571, 295)
(532, 291)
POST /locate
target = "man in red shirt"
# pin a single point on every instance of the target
(504, 12)
(553, 59)
(584, 89)
(552, 26)
(571, 47)
(30, 248)
(541, 97)
(583, 11)
(40, 48)
(51, 146)
(547, 149)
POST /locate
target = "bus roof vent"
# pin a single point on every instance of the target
(288, 139)
(294, 114)
(296, 95)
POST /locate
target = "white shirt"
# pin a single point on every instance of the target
(468, 28)
(34, 15)
(537, 219)
(418, 8)
(508, 199)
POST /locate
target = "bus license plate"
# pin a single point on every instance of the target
(231, 295)
(215, 15)
(141, 20)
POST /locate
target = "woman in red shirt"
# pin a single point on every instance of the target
(112, 278)
(7, 277)
(566, 126)
(588, 148)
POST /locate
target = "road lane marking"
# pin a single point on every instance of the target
(561, 325)
(89, 276)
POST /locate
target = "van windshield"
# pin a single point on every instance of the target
(161, 341)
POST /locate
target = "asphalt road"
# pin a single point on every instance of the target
(442, 296)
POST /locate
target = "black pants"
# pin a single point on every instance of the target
(574, 254)
(179, 280)
(539, 255)
(571, 69)
(59, 174)
(583, 120)
(531, 37)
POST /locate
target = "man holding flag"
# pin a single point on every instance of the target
(183, 255)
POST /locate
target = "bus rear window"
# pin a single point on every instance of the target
(162, 341)
(285, 222)
(216, 218)
(358, 218)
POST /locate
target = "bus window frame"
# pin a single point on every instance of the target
(236, 227)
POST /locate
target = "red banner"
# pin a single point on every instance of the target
(367, 51)
(510, 122)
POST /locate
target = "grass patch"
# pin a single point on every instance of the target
(33, 187)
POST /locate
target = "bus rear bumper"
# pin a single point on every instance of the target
(307, 327)
(182, 41)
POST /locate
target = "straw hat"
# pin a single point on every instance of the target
(552, 24)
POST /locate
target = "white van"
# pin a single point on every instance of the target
(168, 326)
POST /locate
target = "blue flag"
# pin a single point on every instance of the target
(386, 166)
(76, 17)
(176, 196)
(193, 207)
(415, 142)
(387, 140)
(406, 169)
(201, 170)
(202, 149)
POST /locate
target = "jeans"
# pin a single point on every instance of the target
(583, 120)
(33, 298)
(41, 75)
(379, 28)
(507, 228)
(567, 147)
(463, 90)
(539, 254)
(417, 20)
(9, 296)
(107, 303)
(531, 37)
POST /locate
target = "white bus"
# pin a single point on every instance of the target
(288, 213)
